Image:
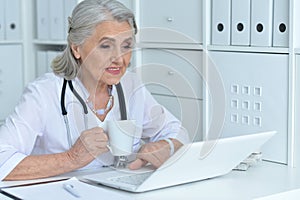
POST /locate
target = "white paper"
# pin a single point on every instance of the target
(77, 173)
(56, 191)
(5, 184)
(3, 197)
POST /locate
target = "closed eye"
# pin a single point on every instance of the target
(105, 46)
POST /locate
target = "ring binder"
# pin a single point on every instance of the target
(56, 19)
(2, 15)
(240, 31)
(281, 21)
(12, 19)
(221, 20)
(261, 22)
(42, 20)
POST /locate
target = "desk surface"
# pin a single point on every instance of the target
(261, 180)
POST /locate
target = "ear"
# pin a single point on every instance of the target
(75, 51)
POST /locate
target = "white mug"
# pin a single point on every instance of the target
(121, 136)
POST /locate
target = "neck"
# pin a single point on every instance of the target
(94, 87)
(101, 101)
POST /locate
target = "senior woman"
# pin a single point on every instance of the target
(34, 141)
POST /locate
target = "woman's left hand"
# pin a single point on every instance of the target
(155, 153)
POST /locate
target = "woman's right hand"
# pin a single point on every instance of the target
(89, 145)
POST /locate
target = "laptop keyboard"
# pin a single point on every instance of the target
(133, 179)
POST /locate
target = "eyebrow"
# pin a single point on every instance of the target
(107, 38)
(114, 40)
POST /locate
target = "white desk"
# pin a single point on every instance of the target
(260, 180)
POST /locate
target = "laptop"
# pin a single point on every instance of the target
(188, 164)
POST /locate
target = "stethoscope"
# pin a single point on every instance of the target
(84, 106)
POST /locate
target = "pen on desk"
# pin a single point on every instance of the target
(71, 189)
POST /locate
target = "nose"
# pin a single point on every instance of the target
(116, 56)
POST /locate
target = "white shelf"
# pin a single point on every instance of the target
(49, 42)
(4, 42)
(170, 46)
(297, 51)
(249, 49)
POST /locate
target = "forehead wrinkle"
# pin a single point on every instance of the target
(113, 28)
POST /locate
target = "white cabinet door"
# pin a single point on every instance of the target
(175, 21)
(172, 72)
(11, 79)
(188, 111)
(174, 78)
(256, 88)
(297, 115)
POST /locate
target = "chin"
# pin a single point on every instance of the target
(113, 81)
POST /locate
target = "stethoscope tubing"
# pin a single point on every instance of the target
(121, 98)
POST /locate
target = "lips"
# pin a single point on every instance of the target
(113, 70)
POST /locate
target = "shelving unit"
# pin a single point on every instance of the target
(15, 53)
(273, 110)
(176, 38)
(294, 117)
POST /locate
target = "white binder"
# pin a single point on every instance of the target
(42, 62)
(261, 22)
(281, 23)
(221, 18)
(56, 19)
(240, 22)
(42, 20)
(13, 19)
(68, 8)
(50, 56)
(2, 22)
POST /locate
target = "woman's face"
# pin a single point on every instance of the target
(106, 54)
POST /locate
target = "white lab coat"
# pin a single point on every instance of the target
(37, 126)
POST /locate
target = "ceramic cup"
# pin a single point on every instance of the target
(121, 136)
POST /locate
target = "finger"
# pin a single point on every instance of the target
(137, 164)
(98, 129)
(94, 139)
(102, 145)
(95, 130)
(155, 158)
(101, 138)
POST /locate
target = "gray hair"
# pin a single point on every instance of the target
(85, 17)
